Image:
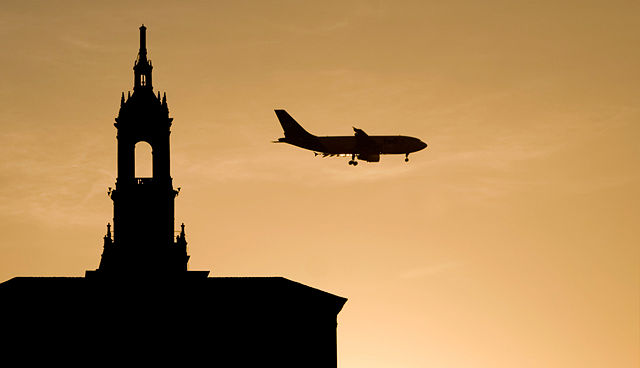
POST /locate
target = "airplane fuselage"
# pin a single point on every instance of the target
(336, 145)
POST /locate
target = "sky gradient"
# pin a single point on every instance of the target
(511, 241)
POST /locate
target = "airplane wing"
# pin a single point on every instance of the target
(364, 142)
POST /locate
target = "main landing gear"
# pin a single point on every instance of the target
(406, 157)
(353, 160)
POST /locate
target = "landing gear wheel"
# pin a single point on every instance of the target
(353, 160)
(406, 157)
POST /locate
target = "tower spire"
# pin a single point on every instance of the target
(142, 66)
(143, 43)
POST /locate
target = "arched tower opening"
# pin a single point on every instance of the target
(143, 160)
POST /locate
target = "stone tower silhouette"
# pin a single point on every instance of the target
(143, 208)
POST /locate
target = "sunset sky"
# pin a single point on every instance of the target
(512, 241)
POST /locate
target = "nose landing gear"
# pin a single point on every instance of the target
(406, 157)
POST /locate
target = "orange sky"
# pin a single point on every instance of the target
(509, 242)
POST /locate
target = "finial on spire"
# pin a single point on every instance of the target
(108, 230)
(182, 231)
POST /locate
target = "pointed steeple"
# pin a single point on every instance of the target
(142, 66)
(143, 43)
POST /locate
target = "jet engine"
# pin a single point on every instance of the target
(370, 157)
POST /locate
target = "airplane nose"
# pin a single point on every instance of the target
(422, 145)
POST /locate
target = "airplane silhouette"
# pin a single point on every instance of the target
(361, 146)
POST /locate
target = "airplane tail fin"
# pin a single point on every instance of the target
(291, 127)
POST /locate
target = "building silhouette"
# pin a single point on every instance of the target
(142, 304)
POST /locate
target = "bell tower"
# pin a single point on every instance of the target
(143, 207)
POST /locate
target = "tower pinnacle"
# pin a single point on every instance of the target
(142, 66)
(143, 42)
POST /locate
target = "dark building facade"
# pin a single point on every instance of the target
(142, 302)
